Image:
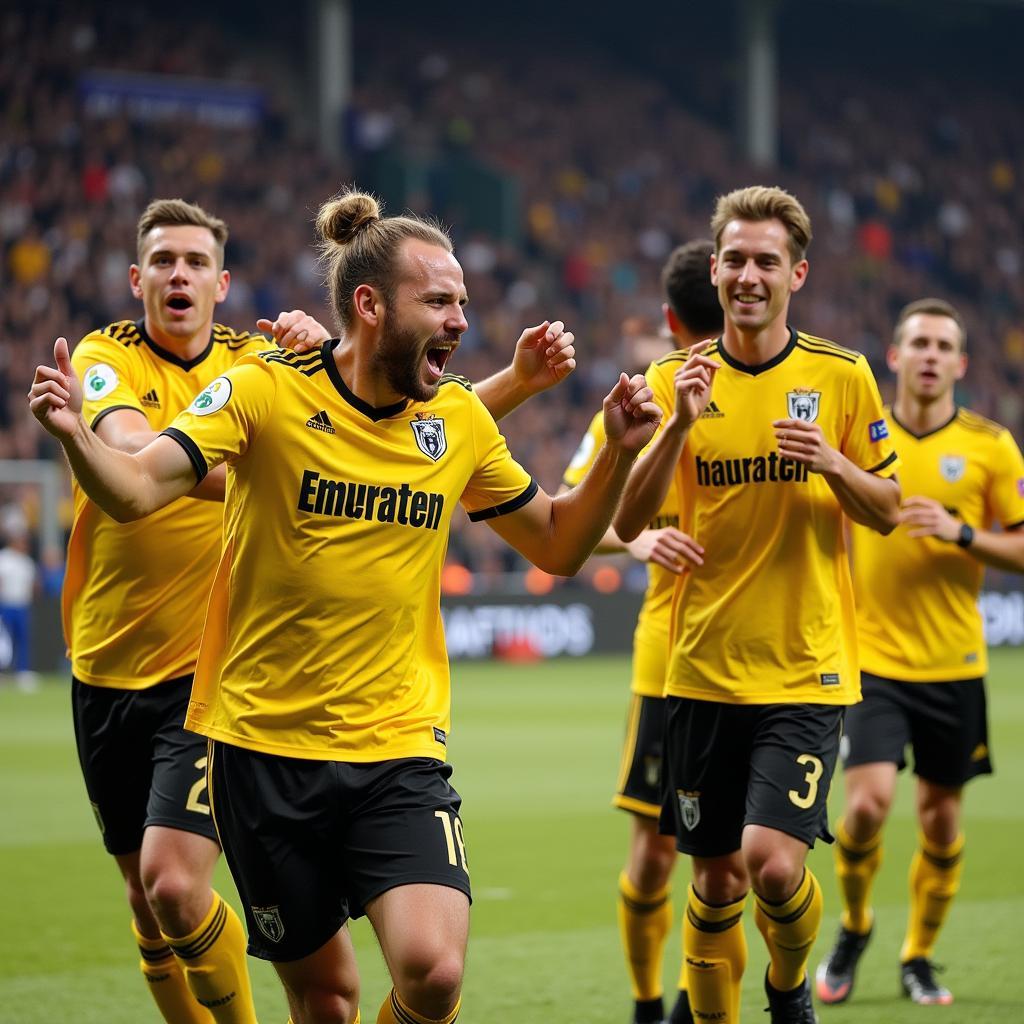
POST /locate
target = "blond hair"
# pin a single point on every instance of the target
(762, 202)
(360, 246)
(176, 212)
(933, 307)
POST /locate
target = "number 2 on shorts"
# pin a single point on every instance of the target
(198, 788)
(814, 770)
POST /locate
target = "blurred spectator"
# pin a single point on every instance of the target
(17, 589)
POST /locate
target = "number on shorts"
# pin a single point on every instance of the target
(194, 803)
(814, 770)
(452, 837)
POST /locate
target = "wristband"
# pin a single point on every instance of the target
(965, 538)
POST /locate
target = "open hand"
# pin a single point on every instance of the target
(668, 547)
(926, 517)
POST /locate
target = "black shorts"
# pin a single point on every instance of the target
(639, 785)
(140, 765)
(310, 843)
(945, 723)
(732, 765)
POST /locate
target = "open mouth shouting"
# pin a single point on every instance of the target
(178, 303)
(438, 356)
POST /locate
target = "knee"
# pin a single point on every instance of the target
(138, 901)
(172, 893)
(866, 811)
(775, 876)
(725, 883)
(324, 1006)
(431, 983)
(654, 857)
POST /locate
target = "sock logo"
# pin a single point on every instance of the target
(268, 920)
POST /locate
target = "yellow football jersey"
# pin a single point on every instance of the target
(650, 639)
(917, 612)
(323, 636)
(135, 593)
(769, 616)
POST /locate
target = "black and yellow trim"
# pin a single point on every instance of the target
(454, 378)
(193, 948)
(927, 433)
(112, 408)
(888, 461)
(512, 505)
(195, 456)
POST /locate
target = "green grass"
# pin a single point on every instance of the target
(536, 751)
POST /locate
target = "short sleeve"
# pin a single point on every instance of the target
(592, 442)
(106, 369)
(1006, 492)
(866, 441)
(661, 379)
(225, 417)
(499, 485)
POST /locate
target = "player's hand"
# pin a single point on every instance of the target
(544, 356)
(55, 397)
(668, 547)
(631, 415)
(693, 383)
(296, 330)
(805, 443)
(926, 517)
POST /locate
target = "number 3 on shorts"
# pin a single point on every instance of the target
(814, 770)
(453, 836)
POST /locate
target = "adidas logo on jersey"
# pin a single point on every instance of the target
(321, 421)
(150, 399)
(712, 412)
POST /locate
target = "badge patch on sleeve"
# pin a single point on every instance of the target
(212, 398)
(98, 381)
(878, 431)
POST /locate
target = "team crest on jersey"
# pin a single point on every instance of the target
(689, 808)
(212, 398)
(952, 467)
(99, 380)
(268, 920)
(429, 433)
(803, 404)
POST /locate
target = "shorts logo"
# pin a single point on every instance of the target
(878, 431)
(268, 920)
(803, 404)
(829, 678)
(652, 771)
(99, 380)
(212, 398)
(689, 808)
(844, 748)
(952, 467)
(429, 433)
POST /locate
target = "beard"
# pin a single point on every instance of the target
(398, 356)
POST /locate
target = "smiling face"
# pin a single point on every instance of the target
(754, 273)
(179, 280)
(927, 358)
(423, 321)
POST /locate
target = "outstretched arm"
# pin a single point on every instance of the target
(126, 486)
(544, 357)
(559, 534)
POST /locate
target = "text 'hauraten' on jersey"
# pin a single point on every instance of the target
(917, 611)
(135, 594)
(324, 636)
(769, 617)
(650, 638)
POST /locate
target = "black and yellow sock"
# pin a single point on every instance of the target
(394, 1011)
(715, 948)
(857, 865)
(934, 880)
(175, 1002)
(789, 929)
(645, 919)
(213, 961)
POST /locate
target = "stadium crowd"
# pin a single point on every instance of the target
(612, 170)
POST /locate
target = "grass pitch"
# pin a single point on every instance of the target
(536, 752)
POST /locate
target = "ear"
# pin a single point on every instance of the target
(714, 270)
(671, 320)
(135, 280)
(799, 276)
(368, 305)
(223, 284)
(892, 358)
(961, 369)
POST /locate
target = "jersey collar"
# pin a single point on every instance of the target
(373, 412)
(927, 433)
(761, 367)
(170, 357)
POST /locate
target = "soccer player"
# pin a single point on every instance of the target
(645, 913)
(921, 644)
(322, 680)
(774, 435)
(133, 606)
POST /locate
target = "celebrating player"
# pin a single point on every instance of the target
(322, 679)
(922, 646)
(774, 435)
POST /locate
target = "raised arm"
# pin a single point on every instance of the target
(559, 534)
(126, 486)
(544, 357)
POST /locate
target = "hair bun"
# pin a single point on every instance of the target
(341, 219)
